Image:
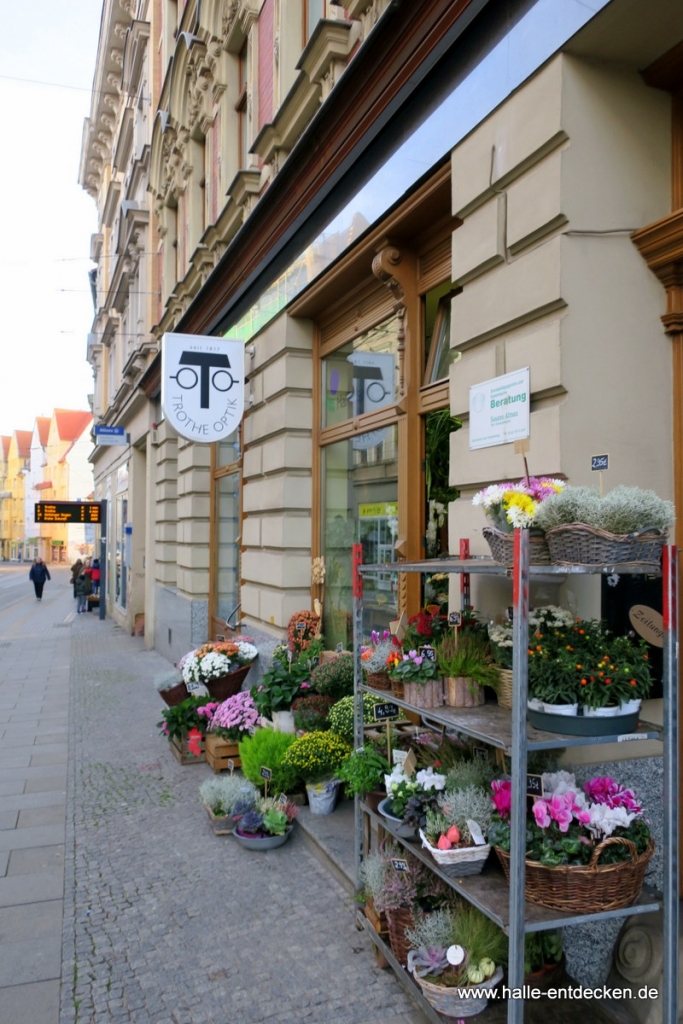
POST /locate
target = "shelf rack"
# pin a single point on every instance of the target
(508, 731)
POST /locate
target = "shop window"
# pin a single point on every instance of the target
(228, 451)
(438, 352)
(361, 376)
(359, 505)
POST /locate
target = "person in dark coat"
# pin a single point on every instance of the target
(82, 588)
(38, 575)
(76, 569)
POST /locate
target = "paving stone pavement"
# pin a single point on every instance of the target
(165, 923)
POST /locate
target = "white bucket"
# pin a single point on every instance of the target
(322, 796)
(561, 709)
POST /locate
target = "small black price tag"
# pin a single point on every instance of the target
(301, 626)
(599, 462)
(340, 647)
(283, 799)
(427, 652)
(534, 785)
(399, 865)
(454, 618)
(382, 711)
(220, 639)
(266, 774)
(231, 765)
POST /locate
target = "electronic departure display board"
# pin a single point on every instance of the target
(68, 512)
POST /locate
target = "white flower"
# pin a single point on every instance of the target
(247, 650)
(519, 517)
(558, 782)
(605, 819)
(429, 779)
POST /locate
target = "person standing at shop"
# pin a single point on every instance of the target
(76, 572)
(82, 589)
(38, 575)
(96, 576)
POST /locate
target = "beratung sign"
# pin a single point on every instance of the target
(202, 385)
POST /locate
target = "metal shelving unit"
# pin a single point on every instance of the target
(509, 731)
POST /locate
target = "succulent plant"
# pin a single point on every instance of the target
(251, 822)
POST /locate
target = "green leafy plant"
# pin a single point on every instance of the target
(363, 771)
(315, 756)
(541, 949)
(341, 715)
(279, 686)
(184, 716)
(334, 678)
(468, 657)
(412, 668)
(267, 749)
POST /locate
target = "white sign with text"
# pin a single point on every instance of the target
(202, 385)
(499, 410)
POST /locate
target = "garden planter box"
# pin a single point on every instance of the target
(219, 752)
(180, 752)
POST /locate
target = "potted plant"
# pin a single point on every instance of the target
(266, 749)
(455, 830)
(268, 825)
(417, 678)
(334, 678)
(228, 722)
(314, 759)
(543, 957)
(374, 658)
(371, 881)
(549, 617)
(628, 525)
(586, 850)
(184, 725)
(221, 666)
(466, 663)
(310, 712)
(278, 688)
(407, 800)
(512, 505)
(454, 950)
(171, 687)
(363, 774)
(302, 629)
(226, 799)
(341, 716)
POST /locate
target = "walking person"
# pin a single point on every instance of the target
(38, 575)
(82, 588)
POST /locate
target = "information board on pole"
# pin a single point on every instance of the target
(68, 512)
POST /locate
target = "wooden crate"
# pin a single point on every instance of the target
(179, 749)
(219, 752)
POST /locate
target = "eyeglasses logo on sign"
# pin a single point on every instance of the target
(202, 385)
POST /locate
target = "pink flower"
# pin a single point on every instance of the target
(541, 813)
(305, 686)
(418, 660)
(502, 796)
(560, 810)
(605, 790)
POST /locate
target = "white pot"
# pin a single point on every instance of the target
(283, 721)
(535, 705)
(602, 712)
(629, 707)
(561, 709)
(322, 796)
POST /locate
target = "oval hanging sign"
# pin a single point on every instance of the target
(647, 623)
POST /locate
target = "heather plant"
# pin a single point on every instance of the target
(571, 505)
(371, 876)
(223, 792)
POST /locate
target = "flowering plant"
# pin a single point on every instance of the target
(302, 629)
(565, 825)
(234, 717)
(183, 717)
(425, 628)
(215, 659)
(374, 655)
(310, 713)
(316, 755)
(411, 667)
(550, 617)
(512, 505)
(268, 817)
(410, 798)
(418, 887)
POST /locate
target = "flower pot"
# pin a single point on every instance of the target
(222, 826)
(629, 707)
(450, 1001)
(378, 680)
(504, 692)
(459, 861)
(583, 725)
(397, 688)
(219, 751)
(226, 686)
(424, 695)
(253, 842)
(322, 796)
(174, 695)
(283, 721)
(405, 831)
(608, 712)
(463, 693)
(560, 709)
(534, 705)
(374, 799)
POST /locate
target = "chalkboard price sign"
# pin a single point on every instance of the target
(340, 647)
(599, 462)
(399, 865)
(283, 799)
(454, 618)
(231, 765)
(266, 774)
(427, 652)
(534, 785)
(382, 711)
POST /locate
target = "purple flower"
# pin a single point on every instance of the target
(418, 660)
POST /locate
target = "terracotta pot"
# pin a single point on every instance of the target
(227, 686)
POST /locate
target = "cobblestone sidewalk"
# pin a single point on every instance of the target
(164, 922)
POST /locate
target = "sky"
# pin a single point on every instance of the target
(46, 218)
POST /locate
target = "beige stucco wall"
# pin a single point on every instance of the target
(276, 494)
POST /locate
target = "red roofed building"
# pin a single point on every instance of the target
(64, 474)
(5, 496)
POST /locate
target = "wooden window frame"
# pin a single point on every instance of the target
(217, 625)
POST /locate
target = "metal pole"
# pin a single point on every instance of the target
(520, 626)
(103, 559)
(671, 796)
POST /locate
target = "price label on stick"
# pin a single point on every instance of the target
(266, 774)
(599, 462)
(398, 864)
(428, 653)
(283, 799)
(231, 765)
(534, 785)
(454, 618)
(301, 626)
(340, 647)
(382, 711)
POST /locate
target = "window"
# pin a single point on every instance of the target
(437, 315)
(361, 376)
(242, 105)
(314, 10)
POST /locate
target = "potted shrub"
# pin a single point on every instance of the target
(220, 666)
(408, 799)
(628, 525)
(341, 716)
(266, 749)
(267, 825)
(228, 723)
(226, 799)
(455, 830)
(314, 759)
(334, 678)
(171, 687)
(453, 950)
(416, 678)
(586, 850)
(363, 774)
(466, 663)
(511, 505)
(278, 688)
(310, 712)
(184, 725)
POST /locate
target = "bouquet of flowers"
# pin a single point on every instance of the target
(512, 505)
(233, 718)
(565, 825)
(374, 655)
(216, 659)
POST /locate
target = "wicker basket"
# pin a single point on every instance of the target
(227, 686)
(460, 862)
(504, 691)
(502, 547)
(397, 922)
(378, 680)
(463, 693)
(397, 688)
(585, 888)
(577, 544)
(175, 695)
(448, 1000)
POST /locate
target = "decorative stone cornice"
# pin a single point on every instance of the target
(661, 246)
(244, 190)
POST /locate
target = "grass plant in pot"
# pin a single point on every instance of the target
(267, 825)
(466, 663)
(226, 798)
(314, 759)
(453, 950)
(220, 666)
(363, 774)
(267, 749)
